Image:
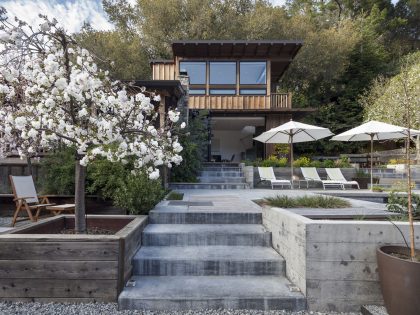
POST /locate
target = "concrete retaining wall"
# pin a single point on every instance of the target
(333, 262)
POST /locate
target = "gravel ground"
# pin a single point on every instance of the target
(111, 309)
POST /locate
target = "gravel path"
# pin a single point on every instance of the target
(111, 309)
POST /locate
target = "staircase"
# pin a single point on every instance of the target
(217, 176)
(208, 254)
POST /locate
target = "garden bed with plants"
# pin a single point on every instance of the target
(39, 263)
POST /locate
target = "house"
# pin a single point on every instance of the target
(236, 82)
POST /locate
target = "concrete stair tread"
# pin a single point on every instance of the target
(209, 287)
(214, 253)
(205, 228)
(186, 209)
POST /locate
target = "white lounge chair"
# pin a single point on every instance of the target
(311, 175)
(26, 199)
(337, 175)
(267, 174)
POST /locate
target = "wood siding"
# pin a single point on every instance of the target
(271, 122)
(241, 102)
(76, 268)
(163, 71)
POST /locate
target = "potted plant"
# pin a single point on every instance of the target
(364, 179)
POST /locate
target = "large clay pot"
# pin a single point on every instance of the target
(400, 281)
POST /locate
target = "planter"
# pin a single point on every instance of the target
(400, 281)
(364, 181)
(37, 264)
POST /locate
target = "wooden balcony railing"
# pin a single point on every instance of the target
(275, 101)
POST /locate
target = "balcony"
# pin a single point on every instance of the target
(273, 102)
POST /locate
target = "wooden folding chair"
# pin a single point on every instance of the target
(26, 198)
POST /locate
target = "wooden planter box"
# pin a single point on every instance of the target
(38, 265)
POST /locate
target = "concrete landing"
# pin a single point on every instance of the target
(195, 293)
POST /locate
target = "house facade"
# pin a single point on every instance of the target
(236, 83)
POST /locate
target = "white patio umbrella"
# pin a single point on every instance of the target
(374, 130)
(293, 132)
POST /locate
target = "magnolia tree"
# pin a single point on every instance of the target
(52, 93)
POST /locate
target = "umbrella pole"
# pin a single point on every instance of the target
(291, 159)
(371, 162)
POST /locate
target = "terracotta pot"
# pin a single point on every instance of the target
(400, 281)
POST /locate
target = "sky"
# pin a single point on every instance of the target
(70, 13)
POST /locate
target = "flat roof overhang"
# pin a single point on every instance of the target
(171, 87)
(280, 52)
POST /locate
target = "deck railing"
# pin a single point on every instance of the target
(275, 101)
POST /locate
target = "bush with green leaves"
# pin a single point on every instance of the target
(398, 203)
(57, 173)
(137, 194)
(194, 143)
(302, 161)
(274, 161)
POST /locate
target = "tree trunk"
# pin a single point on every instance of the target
(79, 198)
(418, 149)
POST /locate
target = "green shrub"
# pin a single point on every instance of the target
(173, 195)
(137, 194)
(317, 164)
(274, 161)
(303, 161)
(57, 173)
(194, 142)
(399, 203)
(326, 202)
(328, 164)
(342, 162)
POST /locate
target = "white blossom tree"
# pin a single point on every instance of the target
(52, 93)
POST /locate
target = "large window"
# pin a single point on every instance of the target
(252, 72)
(196, 70)
(223, 72)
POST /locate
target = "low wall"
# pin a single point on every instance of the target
(333, 262)
(37, 265)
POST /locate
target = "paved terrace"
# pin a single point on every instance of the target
(237, 200)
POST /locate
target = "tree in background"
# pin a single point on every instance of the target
(121, 53)
(397, 99)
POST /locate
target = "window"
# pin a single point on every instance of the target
(222, 91)
(222, 72)
(252, 72)
(196, 70)
(197, 91)
(252, 91)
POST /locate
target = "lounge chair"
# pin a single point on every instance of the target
(267, 174)
(26, 198)
(337, 175)
(311, 175)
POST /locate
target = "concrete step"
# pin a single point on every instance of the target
(208, 185)
(207, 261)
(220, 164)
(206, 235)
(221, 169)
(210, 292)
(174, 216)
(221, 174)
(220, 179)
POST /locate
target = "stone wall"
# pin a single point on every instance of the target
(333, 262)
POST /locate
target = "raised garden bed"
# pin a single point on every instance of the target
(37, 264)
